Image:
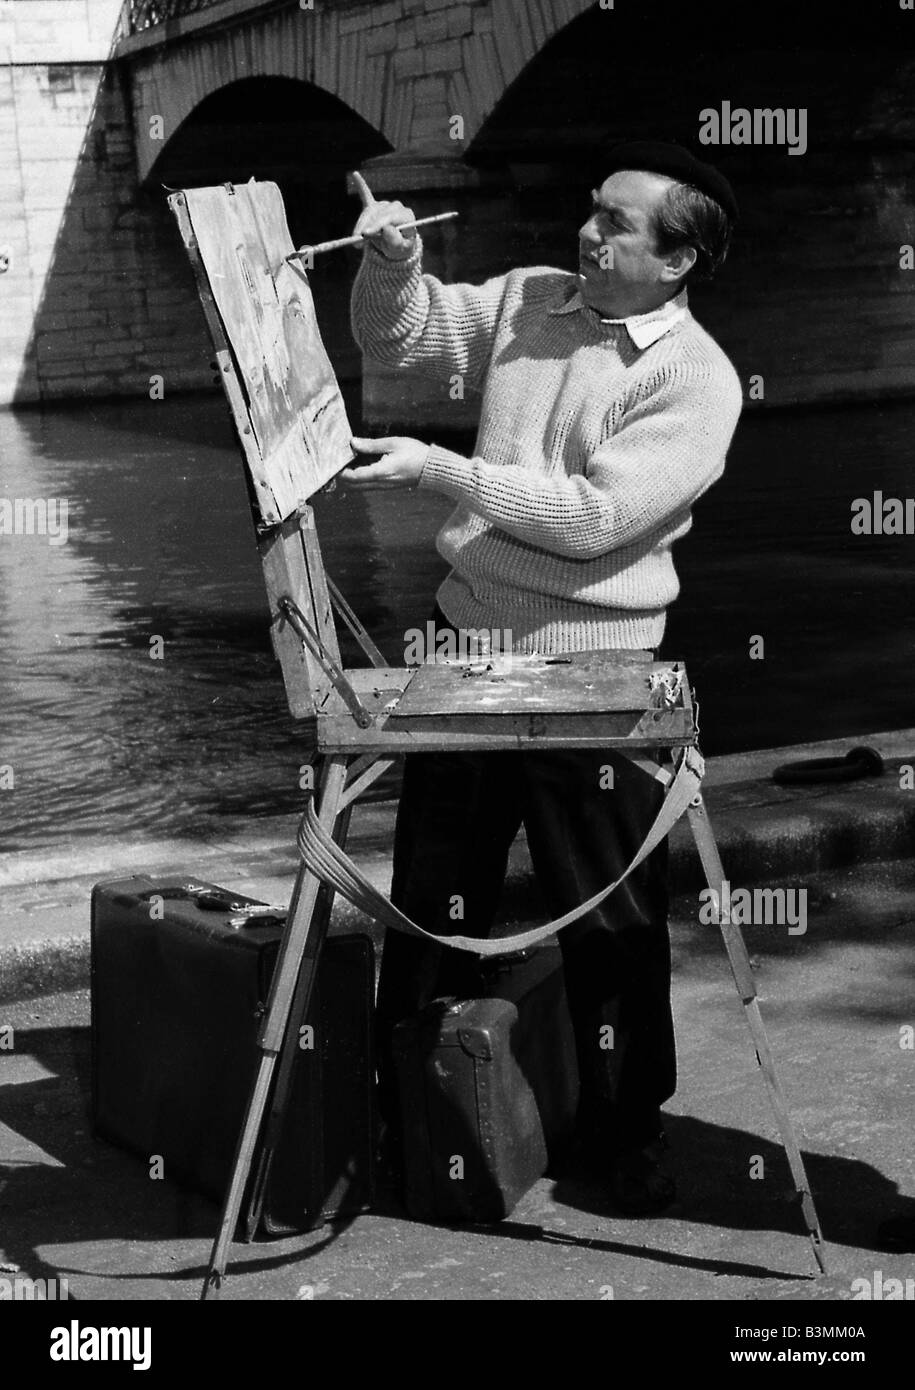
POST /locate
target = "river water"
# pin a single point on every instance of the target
(102, 739)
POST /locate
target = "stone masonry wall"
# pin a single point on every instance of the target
(94, 300)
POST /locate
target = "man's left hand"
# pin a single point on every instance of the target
(401, 464)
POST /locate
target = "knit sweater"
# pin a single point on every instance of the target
(595, 438)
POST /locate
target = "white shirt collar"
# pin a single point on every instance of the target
(643, 329)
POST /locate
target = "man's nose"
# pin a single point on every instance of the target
(589, 232)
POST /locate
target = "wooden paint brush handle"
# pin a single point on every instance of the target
(305, 252)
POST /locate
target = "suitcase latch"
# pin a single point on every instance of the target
(257, 915)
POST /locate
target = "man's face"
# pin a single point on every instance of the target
(620, 269)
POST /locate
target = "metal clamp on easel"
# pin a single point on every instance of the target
(336, 676)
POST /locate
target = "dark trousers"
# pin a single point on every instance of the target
(458, 816)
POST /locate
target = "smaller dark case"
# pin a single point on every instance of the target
(488, 1092)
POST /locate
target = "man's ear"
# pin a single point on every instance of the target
(679, 263)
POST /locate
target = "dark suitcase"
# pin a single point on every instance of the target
(177, 996)
(488, 1091)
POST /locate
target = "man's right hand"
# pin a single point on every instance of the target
(379, 223)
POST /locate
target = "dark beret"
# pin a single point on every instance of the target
(656, 157)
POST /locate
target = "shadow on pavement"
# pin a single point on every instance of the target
(62, 1187)
(77, 1190)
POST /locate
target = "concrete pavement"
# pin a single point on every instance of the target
(764, 831)
(837, 1001)
(833, 1000)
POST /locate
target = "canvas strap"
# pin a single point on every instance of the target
(332, 865)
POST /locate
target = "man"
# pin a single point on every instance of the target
(607, 410)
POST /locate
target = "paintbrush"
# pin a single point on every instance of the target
(306, 252)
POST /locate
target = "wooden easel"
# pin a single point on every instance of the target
(294, 438)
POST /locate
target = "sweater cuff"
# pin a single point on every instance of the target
(447, 472)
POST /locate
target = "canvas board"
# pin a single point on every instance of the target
(280, 382)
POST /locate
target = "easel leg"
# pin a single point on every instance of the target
(746, 987)
(298, 1014)
(299, 955)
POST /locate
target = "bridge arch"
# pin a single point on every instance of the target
(294, 134)
(404, 76)
(171, 82)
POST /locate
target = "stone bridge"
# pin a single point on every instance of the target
(494, 107)
(407, 67)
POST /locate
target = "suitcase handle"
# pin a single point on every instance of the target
(218, 900)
